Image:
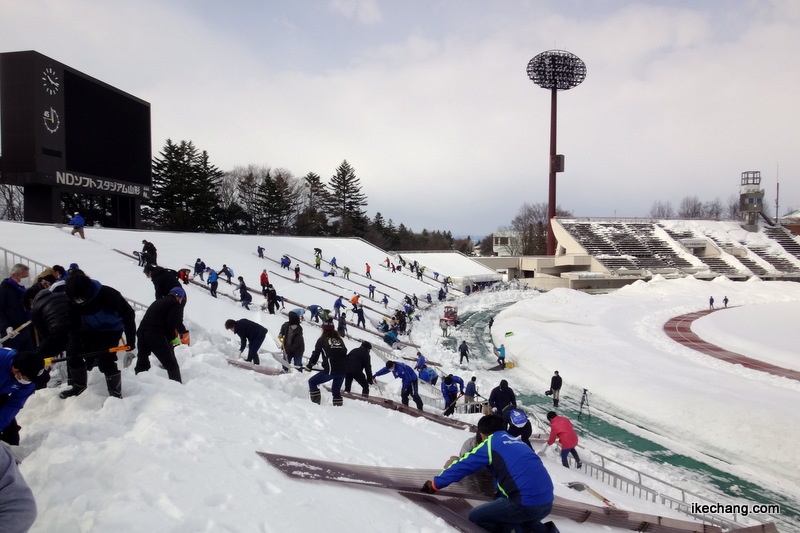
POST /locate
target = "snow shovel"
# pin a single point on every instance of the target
(14, 332)
(453, 403)
(577, 485)
(50, 360)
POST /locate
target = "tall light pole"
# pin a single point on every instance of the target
(557, 70)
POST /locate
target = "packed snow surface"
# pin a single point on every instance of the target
(181, 457)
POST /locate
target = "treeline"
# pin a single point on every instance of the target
(191, 194)
(693, 207)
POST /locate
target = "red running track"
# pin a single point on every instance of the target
(679, 329)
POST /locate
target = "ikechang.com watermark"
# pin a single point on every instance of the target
(741, 509)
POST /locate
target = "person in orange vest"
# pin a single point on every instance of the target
(369, 271)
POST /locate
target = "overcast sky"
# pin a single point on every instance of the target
(430, 102)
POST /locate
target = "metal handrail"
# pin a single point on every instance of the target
(643, 484)
(11, 258)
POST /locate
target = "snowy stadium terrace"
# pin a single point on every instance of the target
(608, 253)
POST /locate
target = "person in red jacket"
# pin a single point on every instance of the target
(561, 429)
(264, 280)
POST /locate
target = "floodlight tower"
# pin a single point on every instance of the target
(557, 70)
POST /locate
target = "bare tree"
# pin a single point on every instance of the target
(690, 207)
(246, 182)
(530, 229)
(227, 188)
(732, 209)
(713, 209)
(662, 210)
(11, 202)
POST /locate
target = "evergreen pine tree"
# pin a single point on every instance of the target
(346, 201)
(275, 203)
(184, 193)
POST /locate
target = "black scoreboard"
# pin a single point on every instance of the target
(62, 130)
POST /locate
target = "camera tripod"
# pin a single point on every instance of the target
(584, 402)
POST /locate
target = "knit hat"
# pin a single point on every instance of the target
(29, 364)
(178, 291)
(517, 418)
(327, 324)
(551, 415)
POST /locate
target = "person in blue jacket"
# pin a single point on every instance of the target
(77, 222)
(18, 370)
(451, 385)
(337, 307)
(421, 362)
(501, 356)
(390, 338)
(213, 281)
(409, 378)
(470, 391)
(428, 375)
(314, 310)
(525, 487)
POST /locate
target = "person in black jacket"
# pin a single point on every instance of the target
(199, 269)
(50, 317)
(99, 316)
(272, 299)
(227, 272)
(502, 396)
(334, 364)
(359, 368)
(291, 336)
(251, 332)
(149, 255)
(244, 294)
(164, 279)
(555, 387)
(160, 330)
